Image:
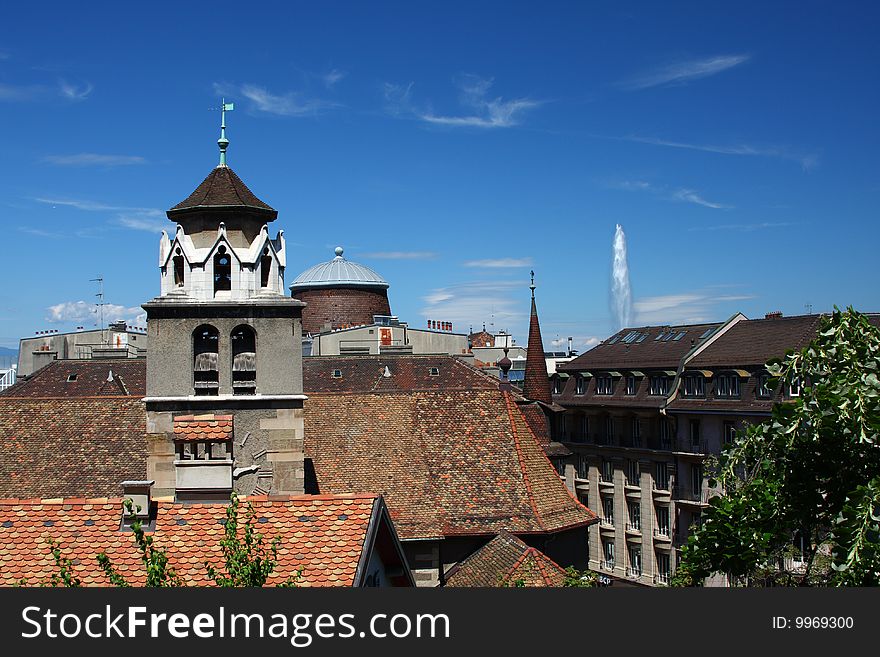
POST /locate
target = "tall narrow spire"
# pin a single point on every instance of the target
(223, 142)
(537, 384)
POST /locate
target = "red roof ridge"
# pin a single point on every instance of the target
(14, 501)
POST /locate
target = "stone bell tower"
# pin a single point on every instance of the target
(224, 369)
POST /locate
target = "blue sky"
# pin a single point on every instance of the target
(452, 147)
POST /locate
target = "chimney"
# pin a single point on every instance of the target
(139, 492)
(569, 345)
(774, 315)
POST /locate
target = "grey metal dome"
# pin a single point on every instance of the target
(338, 272)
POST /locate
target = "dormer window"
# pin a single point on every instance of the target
(762, 389)
(244, 361)
(206, 372)
(793, 388)
(694, 385)
(265, 267)
(336, 374)
(727, 385)
(659, 384)
(71, 378)
(222, 270)
(604, 384)
(434, 371)
(580, 385)
(557, 386)
(631, 384)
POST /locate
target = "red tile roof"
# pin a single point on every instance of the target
(203, 427)
(70, 447)
(222, 188)
(322, 534)
(84, 378)
(506, 561)
(452, 462)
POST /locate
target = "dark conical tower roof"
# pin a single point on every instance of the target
(537, 384)
(223, 190)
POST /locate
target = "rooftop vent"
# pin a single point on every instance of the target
(774, 315)
(71, 378)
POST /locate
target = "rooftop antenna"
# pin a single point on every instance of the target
(100, 303)
(223, 142)
(809, 308)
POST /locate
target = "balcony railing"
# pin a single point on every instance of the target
(699, 447)
(607, 564)
(633, 572)
(661, 579)
(687, 494)
(637, 528)
(606, 522)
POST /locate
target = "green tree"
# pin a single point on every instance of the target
(159, 573)
(811, 471)
(247, 560)
(580, 578)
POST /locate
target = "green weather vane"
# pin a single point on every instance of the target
(223, 142)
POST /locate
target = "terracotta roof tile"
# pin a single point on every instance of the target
(24, 553)
(505, 561)
(203, 427)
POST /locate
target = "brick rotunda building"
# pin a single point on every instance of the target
(340, 294)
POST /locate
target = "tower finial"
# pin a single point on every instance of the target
(532, 286)
(223, 142)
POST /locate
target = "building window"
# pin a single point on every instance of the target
(635, 515)
(608, 511)
(794, 387)
(659, 384)
(695, 432)
(178, 269)
(557, 385)
(662, 568)
(607, 474)
(71, 378)
(265, 267)
(244, 361)
(661, 475)
(665, 433)
(662, 527)
(585, 427)
(729, 432)
(694, 385)
(608, 555)
(636, 432)
(609, 430)
(604, 384)
(433, 371)
(206, 372)
(630, 385)
(696, 480)
(336, 374)
(583, 467)
(635, 561)
(727, 385)
(763, 388)
(222, 270)
(580, 385)
(559, 464)
(632, 473)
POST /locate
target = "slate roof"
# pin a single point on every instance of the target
(614, 353)
(755, 341)
(222, 188)
(203, 427)
(92, 379)
(506, 561)
(448, 462)
(322, 534)
(70, 447)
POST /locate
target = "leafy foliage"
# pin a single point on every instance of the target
(580, 578)
(159, 573)
(64, 576)
(812, 471)
(248, 561)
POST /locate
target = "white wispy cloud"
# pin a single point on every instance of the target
(148, 219)
(401, 255)
(333, 76)
(744, 227)
(690, 196)
(476, 302)
(38, 232)
(684, 308)
(75, 92)
(498, 263)
(484, 111)
(289, 103)
(683, 72)
(94, 159)
(13, 93)
(807, 161)
(681, 194)
(80, 311)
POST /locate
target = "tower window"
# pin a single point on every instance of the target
(205, 350)
(178, 269)
(265, 268)
(222, 270)
(244, 361)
